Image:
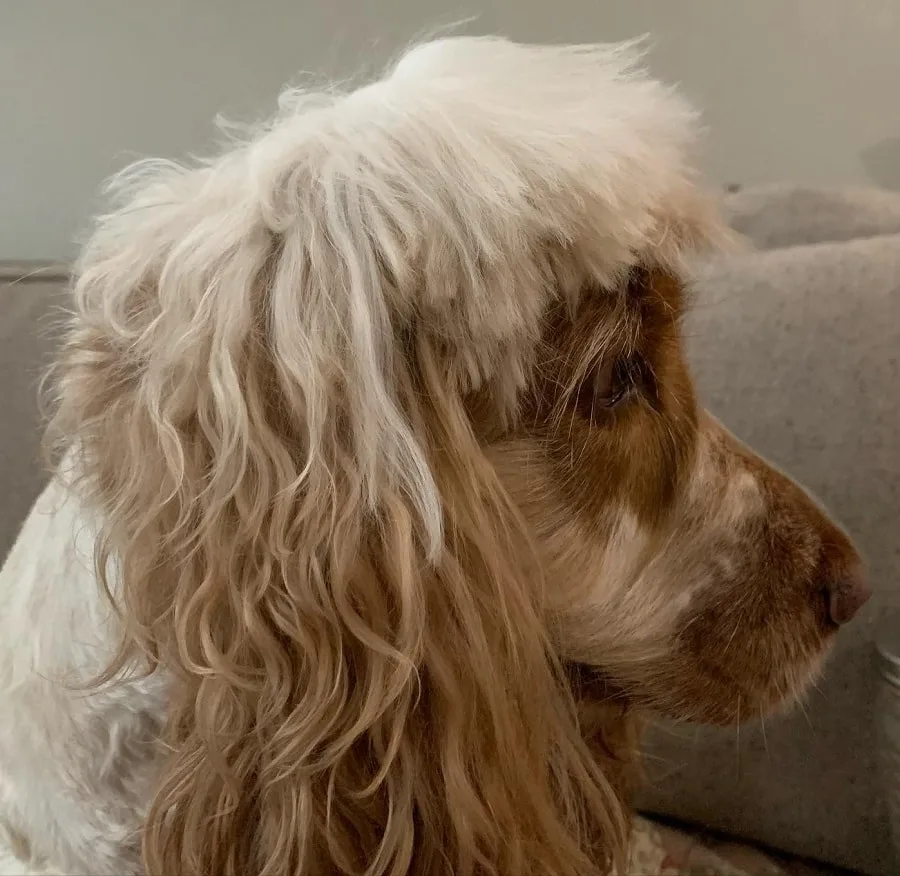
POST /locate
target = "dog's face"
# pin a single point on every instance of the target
(703, 581)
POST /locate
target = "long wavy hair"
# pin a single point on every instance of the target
(283, 370)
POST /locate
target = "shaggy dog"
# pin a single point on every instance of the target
(384, 500)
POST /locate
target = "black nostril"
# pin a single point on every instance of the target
(847, 594)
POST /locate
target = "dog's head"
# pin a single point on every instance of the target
(388, 418)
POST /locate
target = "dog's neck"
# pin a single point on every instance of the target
(611, 726)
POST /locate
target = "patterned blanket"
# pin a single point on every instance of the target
(663, 850)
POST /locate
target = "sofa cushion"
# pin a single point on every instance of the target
(27, 337)
(780, 215)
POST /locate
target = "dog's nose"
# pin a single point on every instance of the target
(847, 594)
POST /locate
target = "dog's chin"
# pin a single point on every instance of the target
(693, 695)
(726, 702)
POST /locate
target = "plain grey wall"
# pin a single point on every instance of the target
(803, 90)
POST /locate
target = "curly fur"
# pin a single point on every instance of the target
(290, 373)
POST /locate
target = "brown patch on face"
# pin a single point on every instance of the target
(636, 452)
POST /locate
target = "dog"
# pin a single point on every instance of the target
(384, 505)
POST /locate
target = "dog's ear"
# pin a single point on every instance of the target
(264, 393)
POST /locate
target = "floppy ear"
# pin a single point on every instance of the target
(265, 393)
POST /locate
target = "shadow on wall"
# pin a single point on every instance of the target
(882, 162)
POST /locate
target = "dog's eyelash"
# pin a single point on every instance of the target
(612, 383)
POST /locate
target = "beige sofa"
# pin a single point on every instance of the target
(796, 348)
(28, 312)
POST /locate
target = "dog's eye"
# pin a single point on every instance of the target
(613, 380)
(608, 385)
